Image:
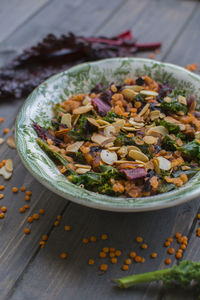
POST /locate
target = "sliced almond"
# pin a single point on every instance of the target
(82, 170)
(75, 119)
(162, 115)
(83, 166)
(150, 140)
(149, 93)
(118, 124)
(93, 122)
(100, 139)
(62, 132)
(108, 157)
(123, 151)
(129, 148)
(1, 141)
(136, 88)
(67, 120)
(174, 121)
(87, 100)
(9, 165)
(11, 142)
(144, 110)
(109, 145)
(129, 94)
(157, 130)
(102, 122)
(6, 175)
(167, 99)
(164, 164)
(129, 129)
(136, 124)
(154, 115)
(74, 147)
(82, 109)
(118, 162)
(182, 100)
(109, 131)
(113, 148)
(137, 155)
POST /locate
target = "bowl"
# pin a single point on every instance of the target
(81, 79)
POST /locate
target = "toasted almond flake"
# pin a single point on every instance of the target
(82, 170)
(164, 164)
(11, 142)
(129, 129)
(129, 148)
(118, 162)
(83, 166)
(184, 168)
(109, 131)
(113, 88)
(93, 122)
(66, 119)
(136, 88)
(162, 115)
(82, 109)
(149, 165)
(129, 94)
(62, 132)
(100, 139)
(137, 155)
(149, 98)
(150, 140)
(108, 142)
(123, 151)
(167, 99)
(113, 148)
(9, 165)
(182, 100)
(118, 124)
(108, 157)
(136, 124)
(174, 121)
(6, 175)
(75, 119)
(1, 141)
(74, 147)
(102, 122)
(197, 134)
(87, 100)
(144, 110)
(149, 93)
(140, 162)
(108, 145)
(157, 130)
(155, 114)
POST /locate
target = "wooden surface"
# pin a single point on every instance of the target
(28, 272)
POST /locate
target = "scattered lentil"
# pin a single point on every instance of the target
(125, 267)
(4, 209)
(26, 206)
(178, 255)
(198, 216)
(1, 196)
(154, 255)
(168, 261)
(41, 211)
(63, 255)
(15, 189)
(104, 236)
(105, 249)
(2, 187)
(142, 260)
(137, 258)
(58, 218)
(127, 261)
(113, 260)
(183, 246)
(2, 215)
(26, 198)
(139, 239)
(177, 235)
(167, 244)
(85, 240)
(112, 249)
(144, 246)
(112, 254)
(102, 254)
(93, 239)
(23, 188)
(36, 216)
(30, 219)
(103, 267)
(118, 253)
(44, 237)
(27, 230)
(56, 223)
(171, 250)
(22, 210)
(6, 130)
(91, 261)
(132, 254)
(28, 193)
(67, 228)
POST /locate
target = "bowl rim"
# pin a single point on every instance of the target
(107, 206)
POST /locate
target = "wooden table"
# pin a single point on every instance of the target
(26, 270)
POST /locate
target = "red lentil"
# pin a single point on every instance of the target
(132, 254)
(154, 255)
(58, 218)
(91, 261)
(103, 267)
(36, 216)
(22, 210)
(137, 258)
(177, 235)
(113, 260)
(168, 261)
(56, 223)
(41, 211)
(2, 187)
(167, 244)
(85, 240)
(26, 198)
(144, 246)
(63, 255)
(112, 249)
(44, 237)
(4, 209)
(102, 254)
(171, 250)
(105, 249)
(170, 240)
(104, 236)
(142, 260)
(118, 253)
(112, 254)
(28, 193)
(6, 130)
(178, 255)
(2, 215)
(183, 246)
(139, 239)
(23, 188)
(125, 267)
(1, 196)
(93, 239)
(15, 189)
(30, 219)
(127, 261)
(27, 230)
(1, 120)
(26, 206)
(67, 228)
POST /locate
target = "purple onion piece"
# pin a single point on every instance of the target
(44, 134)
(106, 96)
(197, 114)
(190, 100)
(134, 173)
(101, 107)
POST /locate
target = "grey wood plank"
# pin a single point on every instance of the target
(14, 13)
(18, 250)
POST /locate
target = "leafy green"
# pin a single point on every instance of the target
(191, 149)
(78, 157)
(168, 144)
(81, 132)
(55, 155)
(57, 108)
(189, 173)
(110, 117)
(184, 274)
(176, 92)
(77, 136)
(172, 128)
(165, 187)
(139, 97)
(174, 106)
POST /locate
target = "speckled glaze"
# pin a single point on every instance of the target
(80, 79)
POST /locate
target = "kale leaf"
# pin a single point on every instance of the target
(110, 117)
(174, 106)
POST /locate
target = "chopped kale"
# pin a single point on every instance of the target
(191, 149)
(174, 106)
(110, 117)
(168, 144)
(172, 128)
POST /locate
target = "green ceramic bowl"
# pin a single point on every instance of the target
(80, 79)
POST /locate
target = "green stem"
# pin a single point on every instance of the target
(131, 280)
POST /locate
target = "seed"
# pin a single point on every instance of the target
(56, 223)
(93, 239)
(36, 216)
(168, 261)
(132, 254)
(44, 237)
(15, 189)
(6, 130)
(177, 235)
(63, 255)
(11, 142)
(103, 267)
(125, 267)
(27, 230)
(42, 211)
(127, 261)
(22, 210)
(42, 243)
(28, 193)
(170, 240)
(154, 255)
(167, 244)
(112, 254)
(2, 187)
(171, 250)
(66, 120)
(26, 206)
(118, 253)
(58, 218)
(102, 254)
(91, 261)
(2, 215)
(30, 219)
(67, 228)
(26, 198)
(9, 165)
(104, 236)
(139, 239)
(137, 259)
(113, 260)
(112, 249)
(23, 188)
(4, 209)
(129, 94)
(183, 246)
(164, 164)
(85, 240)
(178, 255)
(144, 246)
(1, 196)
